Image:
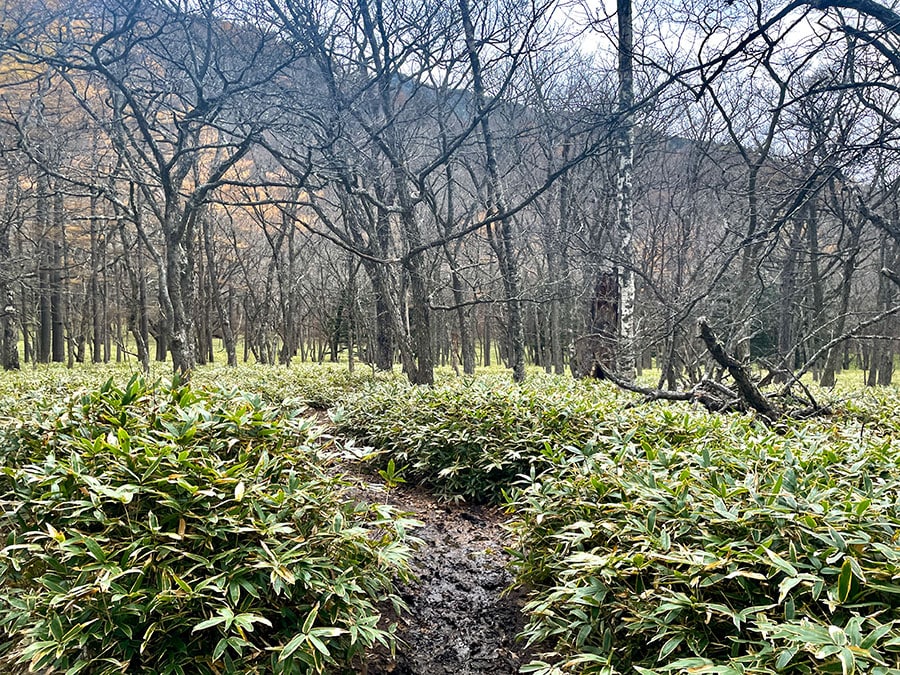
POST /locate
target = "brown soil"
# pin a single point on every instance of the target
(460, 620)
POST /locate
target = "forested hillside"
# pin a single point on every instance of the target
(464, 337)
(451, 183)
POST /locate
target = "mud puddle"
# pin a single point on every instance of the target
(459, 619)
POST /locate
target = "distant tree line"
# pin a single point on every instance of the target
(451, 183)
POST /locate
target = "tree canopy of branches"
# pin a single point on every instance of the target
(444, 183)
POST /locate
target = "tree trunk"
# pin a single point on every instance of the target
(556, 338)
(9, 342)
(201, 313)
(885, 364)
(142, 332)
(507, 250)
(384, 347)
(815, 277)
(597, 348)
(45, 262)
(95, 300)
(352, 268)
(9, 345)
(833, 356)
(419, 314)
(384, 322)
(626, 343)
(788, 289)
(162, 346)
(65, 285)
(57, 318)
(179, 284)
(486, 346)
(463, 319)
(556, 262)
(104, 304)
(216, 292)
(44, 308)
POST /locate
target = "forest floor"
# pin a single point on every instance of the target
(460, 620)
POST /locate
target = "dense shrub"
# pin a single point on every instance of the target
(665, 539)
(472, 437)
(173, 531)
(694, 543)
(315, 385)
(653, 539)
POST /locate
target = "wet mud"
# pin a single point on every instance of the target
(460, 620)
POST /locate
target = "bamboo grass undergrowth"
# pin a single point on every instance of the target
(650, 538)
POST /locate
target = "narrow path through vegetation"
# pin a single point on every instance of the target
(459, 619)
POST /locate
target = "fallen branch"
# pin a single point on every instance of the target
(652, 394)
(707, 392)
(717, 397)
(739, 373)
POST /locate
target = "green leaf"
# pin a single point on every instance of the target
(857, 570)
(147, 635)
(220, 648)
(872, 638)
(183, 585)
(292, 646)
(318, 644)
(845, 579)
(670, 646)
(837, 635)
(310, 619)
(779, 562)
(209, 623)
(786, 586)
(246, 621)
(77, 667)
(95, 550)
(784, 658)
(848, 661)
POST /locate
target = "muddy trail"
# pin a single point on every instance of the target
(459, 620)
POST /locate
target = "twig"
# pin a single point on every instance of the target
(850, 334)
(890, 274)
(650, 393)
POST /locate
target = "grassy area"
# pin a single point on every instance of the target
(312, 384)
(690, 542)
(473, 437)
(663, 538)
(651, 538)
(178, 530)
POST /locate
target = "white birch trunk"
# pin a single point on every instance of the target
(626, 350)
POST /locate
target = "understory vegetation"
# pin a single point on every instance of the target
(472, 438)
(651, 538)
(704, 544)
(182, 530)
(664, 538)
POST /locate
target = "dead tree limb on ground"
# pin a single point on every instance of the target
(711, 394)
(746, 387)
(717, 397)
